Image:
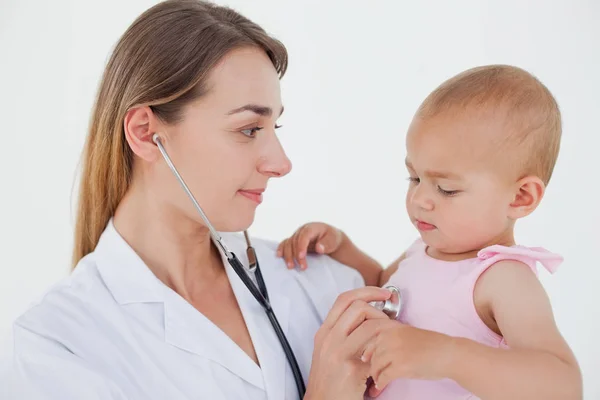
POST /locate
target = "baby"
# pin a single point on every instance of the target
(476, 322)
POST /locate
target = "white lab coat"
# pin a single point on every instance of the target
(114, 331)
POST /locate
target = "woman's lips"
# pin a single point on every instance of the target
(253, 194)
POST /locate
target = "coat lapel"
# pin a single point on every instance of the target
(273, 362)
(130, 281)
(189, 330)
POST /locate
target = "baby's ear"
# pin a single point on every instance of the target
(528, 195)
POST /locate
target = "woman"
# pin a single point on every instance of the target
(151, 310)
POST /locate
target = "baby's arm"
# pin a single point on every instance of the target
(539, 363)
(385, 275)
(349, 254)
(321, 238)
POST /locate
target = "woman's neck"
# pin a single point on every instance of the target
(178, 250)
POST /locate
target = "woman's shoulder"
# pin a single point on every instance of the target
(69, 316)
(46, 357)
(322, 270)
(67, 306)
(321, 283)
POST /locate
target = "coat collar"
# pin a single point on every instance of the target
(123, 271)
(130, 281)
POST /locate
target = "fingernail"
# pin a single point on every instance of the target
(302, 254)
(290, 265)
(363, 358)
(278, 253)
(320, 248)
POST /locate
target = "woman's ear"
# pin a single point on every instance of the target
(140, 124)
(528, 195)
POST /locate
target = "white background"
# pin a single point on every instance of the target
(358, 70)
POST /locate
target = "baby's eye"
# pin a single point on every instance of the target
(447, 192)
(251, 132)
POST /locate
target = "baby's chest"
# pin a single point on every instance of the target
(434, 298)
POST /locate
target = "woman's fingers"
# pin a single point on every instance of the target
(369, 349)
(348, 328)
(372, 390)
(355, 315)
(363, 336)
(344, 300)
(383, 374)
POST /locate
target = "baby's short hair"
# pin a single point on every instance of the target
(528, 109)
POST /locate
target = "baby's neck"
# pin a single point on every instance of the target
(503, 240)
(440, 255)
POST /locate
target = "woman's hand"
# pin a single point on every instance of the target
(401, 351)
(337, 371)
(314, 237)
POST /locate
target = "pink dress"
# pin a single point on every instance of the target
(438, 296)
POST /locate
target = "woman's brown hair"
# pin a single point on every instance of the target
(161, 61)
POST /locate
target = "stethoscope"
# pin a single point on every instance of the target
(390, 307)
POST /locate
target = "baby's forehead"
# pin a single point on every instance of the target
(461, 134)
(457, 144)
(456, 168)
(442, 162)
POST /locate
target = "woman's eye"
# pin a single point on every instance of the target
(251, 132)
(447, 192)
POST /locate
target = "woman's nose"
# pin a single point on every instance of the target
(274, 162)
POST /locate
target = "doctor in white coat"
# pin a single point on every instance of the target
(151, 310)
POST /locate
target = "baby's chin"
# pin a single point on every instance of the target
(445, 246)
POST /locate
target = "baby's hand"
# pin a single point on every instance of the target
(314, 237)
(403, 351)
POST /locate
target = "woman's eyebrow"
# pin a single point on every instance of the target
(263, 111)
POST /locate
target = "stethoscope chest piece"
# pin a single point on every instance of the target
(392, 306)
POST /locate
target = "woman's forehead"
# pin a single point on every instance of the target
(245, 76)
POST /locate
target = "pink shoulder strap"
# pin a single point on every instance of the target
(528, 255)
(415, 247)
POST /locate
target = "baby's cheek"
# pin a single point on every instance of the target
(461, 219)
(465, 226)
(492, 215)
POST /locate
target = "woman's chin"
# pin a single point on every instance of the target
(237, 222)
